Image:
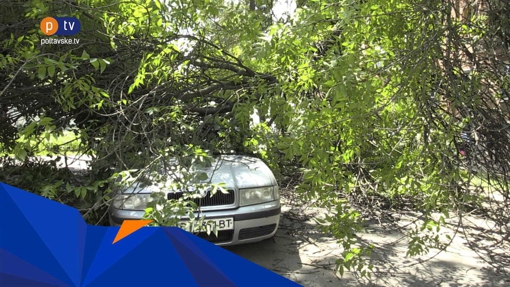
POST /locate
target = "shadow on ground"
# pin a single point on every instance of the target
(297, 252)
(303, 254)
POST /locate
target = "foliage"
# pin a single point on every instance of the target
(182, 175)
(368, 98)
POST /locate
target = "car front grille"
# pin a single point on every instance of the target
(248, 233)
(219, 198)
(223, 236)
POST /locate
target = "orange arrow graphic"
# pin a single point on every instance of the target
(128, 227)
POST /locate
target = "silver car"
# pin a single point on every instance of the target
(249, 212)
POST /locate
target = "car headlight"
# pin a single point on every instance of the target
(251, 196)
(137, 201)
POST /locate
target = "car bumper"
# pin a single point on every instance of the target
(251, 223)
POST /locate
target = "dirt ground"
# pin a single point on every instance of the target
(306, 256)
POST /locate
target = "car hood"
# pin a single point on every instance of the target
(235, 171)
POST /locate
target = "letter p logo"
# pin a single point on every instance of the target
(49, 26)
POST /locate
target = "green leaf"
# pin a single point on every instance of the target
(20, 154)
(214, 190)
(150, 111)
(41, 72)
(85, 55)
(51, 70)
(102, 64)
(222, 189)
(45, 121)
(29, 130)
(202, 176)
(95, 63)
(131, 89)
(158, 4)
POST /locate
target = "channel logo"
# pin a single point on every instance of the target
(60, 26)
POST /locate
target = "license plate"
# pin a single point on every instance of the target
(220, 223)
